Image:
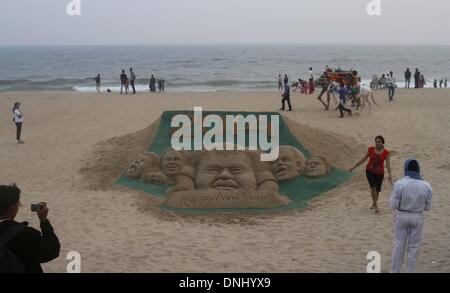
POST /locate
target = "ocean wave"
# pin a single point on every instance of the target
(142, 84)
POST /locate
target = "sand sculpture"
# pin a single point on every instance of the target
(225, 179)
(290, 163)
(317, 166)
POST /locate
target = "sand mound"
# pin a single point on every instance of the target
(108, 159)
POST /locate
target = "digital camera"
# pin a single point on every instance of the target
(36, 206)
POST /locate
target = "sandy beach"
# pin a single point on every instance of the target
(117, 229)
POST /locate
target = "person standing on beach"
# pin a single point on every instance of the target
(390, 83)
(343, 93)
(410, 196)
(440, 83)
(445, 83)
(286, 97)
(159, 85)
(97, 83)
(407, 78)
(280, 83)
(311, 76)
(123, 81)
(416, 78)
(18, 120)
(27, 247)
(152, 84)
(132, 80)
(163, 86)
(435, 83)
(377, 155)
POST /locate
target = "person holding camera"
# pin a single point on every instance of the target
(22, 248)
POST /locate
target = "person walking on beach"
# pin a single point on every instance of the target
(407, 78)
(97, 83)
(123, 82)
(343, 93)
(286, 97)
(280, 83)
(286, 80)
(410, 196)
(416, 78)
(377, 155)
(390, 83)
(18, 120)
(132, 80)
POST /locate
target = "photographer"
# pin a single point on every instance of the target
(22, 248)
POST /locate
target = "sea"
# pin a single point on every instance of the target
(207, 67)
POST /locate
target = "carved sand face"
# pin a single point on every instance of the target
(315, 167)
(172, 163)
(154, 177)
(225, 172)
(137, 166)
(290, 163)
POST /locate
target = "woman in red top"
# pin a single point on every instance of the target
(375, 168)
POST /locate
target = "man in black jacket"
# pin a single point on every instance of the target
(407, 78)
(28, 244)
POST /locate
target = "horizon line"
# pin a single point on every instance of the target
(224, 44)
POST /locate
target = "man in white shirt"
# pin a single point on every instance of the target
(390, 83)
(410, 197)
(18, 120)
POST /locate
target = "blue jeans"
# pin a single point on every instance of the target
(391, 93)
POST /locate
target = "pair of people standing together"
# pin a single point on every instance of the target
(411, 196)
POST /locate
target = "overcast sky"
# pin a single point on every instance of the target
(45, 22)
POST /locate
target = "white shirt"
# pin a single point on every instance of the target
(390, 81)
(410, 194)
(16, 114)
(311, 74)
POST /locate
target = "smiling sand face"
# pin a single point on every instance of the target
(225, 170)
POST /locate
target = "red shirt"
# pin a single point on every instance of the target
(376, 162)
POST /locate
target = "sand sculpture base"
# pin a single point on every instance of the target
(226, 199)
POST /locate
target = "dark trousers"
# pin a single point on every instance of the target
(122, 86)
(18, 130)
(132, 86)
(391, 93)
(342, 109)
(283, 100)
(416, 83)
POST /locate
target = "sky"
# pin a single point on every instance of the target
(122, 22)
